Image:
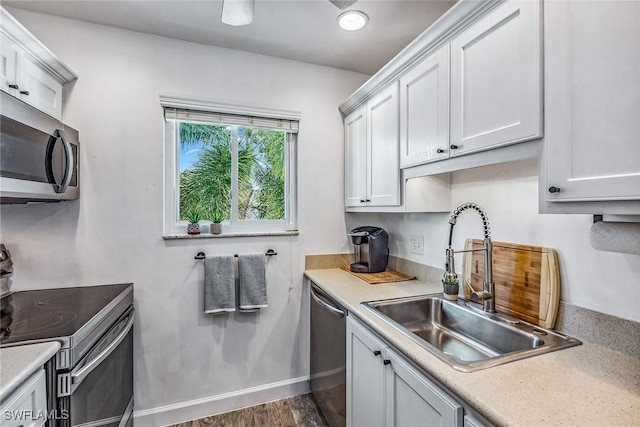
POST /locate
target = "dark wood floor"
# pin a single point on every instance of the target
(298, 411)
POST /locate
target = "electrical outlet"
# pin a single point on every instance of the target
(417, 245)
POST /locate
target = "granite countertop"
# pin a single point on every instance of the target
(19, 362)
(584, 385)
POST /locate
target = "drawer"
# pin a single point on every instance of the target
(26, 406)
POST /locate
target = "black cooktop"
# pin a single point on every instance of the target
(52, 313)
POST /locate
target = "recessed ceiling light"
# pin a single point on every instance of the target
(352, 20)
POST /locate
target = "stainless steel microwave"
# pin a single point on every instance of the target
(38, 155)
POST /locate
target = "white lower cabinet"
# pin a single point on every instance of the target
(26, 406)
(365, 377)
(384, 389)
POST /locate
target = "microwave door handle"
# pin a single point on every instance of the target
(69, 155)
(77, 376)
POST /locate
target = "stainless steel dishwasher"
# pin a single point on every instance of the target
(328, 356)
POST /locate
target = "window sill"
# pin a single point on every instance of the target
(225, 235)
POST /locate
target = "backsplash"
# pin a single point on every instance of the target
(608, 331)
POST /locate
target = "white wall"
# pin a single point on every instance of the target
(113, 233)
(601, 281)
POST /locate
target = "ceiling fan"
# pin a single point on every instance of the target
(240, 12)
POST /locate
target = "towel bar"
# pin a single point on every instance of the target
(270, 252)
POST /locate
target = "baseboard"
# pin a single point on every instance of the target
(218, 404)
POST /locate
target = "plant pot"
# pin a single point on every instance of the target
(216, 228)
(451, 291)
(193, 228)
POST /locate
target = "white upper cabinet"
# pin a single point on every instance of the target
(424, 110)
(8, 63)
(383, 175)
(496, 79)
(28, 70)
(592, 143)
(372, 170)
(38, 88)
(355, 130)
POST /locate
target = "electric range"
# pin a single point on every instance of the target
(91, 380)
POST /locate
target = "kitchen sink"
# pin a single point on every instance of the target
(462, 335)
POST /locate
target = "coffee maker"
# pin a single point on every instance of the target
(370, 249)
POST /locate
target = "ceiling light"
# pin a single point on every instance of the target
(352, 20)
(237, 12)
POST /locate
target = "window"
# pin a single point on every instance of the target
(239, 168)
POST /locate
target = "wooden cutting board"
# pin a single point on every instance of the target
(526, 278)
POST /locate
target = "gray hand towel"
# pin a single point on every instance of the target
(252, 281)
(219, 284)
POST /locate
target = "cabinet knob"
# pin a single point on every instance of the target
(13, 86)
(386, 361)
(377, 353)
(439, 151)
(368, 200)
(453, 147)
(553, 189)
(362, 200)
(24, 92)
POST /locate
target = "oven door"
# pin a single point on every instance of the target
(100, 387)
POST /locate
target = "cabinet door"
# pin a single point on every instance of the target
(383, 175)
(23, 406)
(365, 377)
(8, 56)
(355, 129)
(496, 79)
(38, 88)
(424, 110)
(592, 60)
(413, 400)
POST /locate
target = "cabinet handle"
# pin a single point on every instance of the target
(386, 362)
(368, 200)
(439, 151)
(13, 86)
(377, 353)
(553, 189)
(362, 200)
(453, 147)
(24, 92)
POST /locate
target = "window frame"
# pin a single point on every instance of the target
(173, 227)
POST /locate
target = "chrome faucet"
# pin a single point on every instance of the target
(487, 295)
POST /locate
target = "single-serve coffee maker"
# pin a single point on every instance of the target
(370, 249)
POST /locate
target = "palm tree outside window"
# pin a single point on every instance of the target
(225, 167)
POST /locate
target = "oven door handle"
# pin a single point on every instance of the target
(78, 376)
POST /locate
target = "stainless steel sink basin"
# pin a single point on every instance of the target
(464, 336)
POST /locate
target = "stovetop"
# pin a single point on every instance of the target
(53, 313)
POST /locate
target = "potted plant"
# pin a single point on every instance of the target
(451, 287)
(216, 223)
(193, 216)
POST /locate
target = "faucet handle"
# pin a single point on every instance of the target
(480, 296)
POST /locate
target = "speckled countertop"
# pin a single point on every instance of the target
(587, 385)
(19, 362)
